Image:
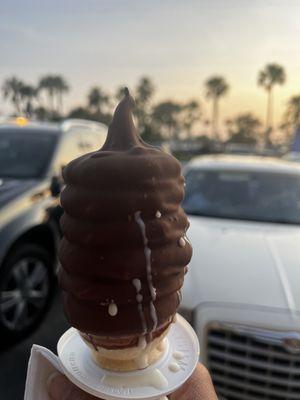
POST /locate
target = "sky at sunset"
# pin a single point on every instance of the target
(177, 43)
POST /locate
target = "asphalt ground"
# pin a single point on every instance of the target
(13, 361)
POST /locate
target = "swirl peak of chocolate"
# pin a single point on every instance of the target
(124, 232)
(122, 133)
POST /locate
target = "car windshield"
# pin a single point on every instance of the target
(25, 155)
(243, 195)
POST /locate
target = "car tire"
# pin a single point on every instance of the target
(26, 288)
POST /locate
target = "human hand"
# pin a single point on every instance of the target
(198, 387)
(60, 388)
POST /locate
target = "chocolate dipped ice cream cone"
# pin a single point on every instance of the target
(124, 250)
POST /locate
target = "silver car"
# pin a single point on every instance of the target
(242, 291)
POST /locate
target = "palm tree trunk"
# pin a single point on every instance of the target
(22, 107)
(29, 108)
(269, 118)
(50, 102)
(51, 96)
(60, 102)
(215, 115)
(16, 102)
(39, 99)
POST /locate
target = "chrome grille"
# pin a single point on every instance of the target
(245, 368)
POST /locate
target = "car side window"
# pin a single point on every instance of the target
(76, 142)
(87, 140)
(92, 140)
(70, 147)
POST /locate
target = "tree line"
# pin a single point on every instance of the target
(164, 120)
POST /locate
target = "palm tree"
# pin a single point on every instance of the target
(292, 114)
(143, 94)
(291, 119)
(216, 86)
(244, 128)
(28, 94)
(166, 117)
(61, 87)
(191, 114)
(144, 91)
(48, 84)
(97, 99)
(11, 89)
(268, 77)
(55, 86)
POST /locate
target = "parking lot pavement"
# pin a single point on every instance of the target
(13, 362)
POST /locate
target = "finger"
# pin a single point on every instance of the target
(198, 387)
(60, 388)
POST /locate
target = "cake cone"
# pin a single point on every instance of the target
(128, 358)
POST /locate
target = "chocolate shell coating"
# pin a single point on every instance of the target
(123, 235)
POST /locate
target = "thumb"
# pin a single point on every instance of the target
(198, 387)
(60, 388)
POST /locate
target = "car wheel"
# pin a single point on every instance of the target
(26, 285)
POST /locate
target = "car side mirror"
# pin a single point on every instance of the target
(55, 186)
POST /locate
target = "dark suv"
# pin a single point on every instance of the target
(31, 162)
